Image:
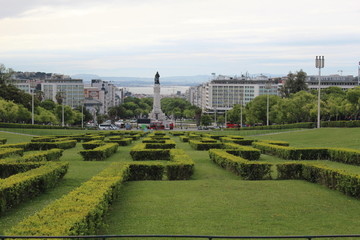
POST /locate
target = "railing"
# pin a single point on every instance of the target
(104, 237)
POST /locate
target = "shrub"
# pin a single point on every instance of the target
(6, 152)
(120, 142)
(140, 153)
(24, 146)
(184, 138)
(92, 144)
(3, 140)
(248, 170)
(180, 167)
(100, 153)
(80, 212)
(49, 155)
(146, 171)
(345, 155)
(246, 152)
(10, 167)
(49, 145)
(19, 187)
(198, 145)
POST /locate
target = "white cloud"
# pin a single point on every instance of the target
(97, 35)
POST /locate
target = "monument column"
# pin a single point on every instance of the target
(156, 113)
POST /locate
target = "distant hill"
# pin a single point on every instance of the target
(140, 81)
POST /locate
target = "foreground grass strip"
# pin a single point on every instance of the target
(22, 186)
(81, 211)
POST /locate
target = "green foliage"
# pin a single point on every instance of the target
(248, 153)
(120, 141)
(6, 152)
(49, 145)
(80, 212)
(295, 82)
(146, 171)
(3, 140)
(49, 155)
(179, 108)
(19, 187)
(248, 170)
(206, 120)
(92, 144)
(99, 153)
(204, 146)
(256, 110)
(140, 153)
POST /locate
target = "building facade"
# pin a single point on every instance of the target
(222, 93)
(343, 82)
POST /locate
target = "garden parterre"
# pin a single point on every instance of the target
(82, 231)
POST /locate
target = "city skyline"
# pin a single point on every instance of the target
(179, 38)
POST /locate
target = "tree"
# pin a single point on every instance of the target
(48, 104)
(5, 74)
(206, 120)
(353, 96)
(294, 83)
(256, 110)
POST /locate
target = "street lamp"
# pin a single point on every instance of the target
(268, 87)
(32, 106)
(319, 63)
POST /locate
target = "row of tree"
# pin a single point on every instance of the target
(302, 106)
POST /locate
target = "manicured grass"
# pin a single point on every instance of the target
(219, 203)
(323, 137)
(231, 207)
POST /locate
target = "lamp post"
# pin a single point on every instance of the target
(319, 63)
(267, 86)
(82, 115)
(32, 106)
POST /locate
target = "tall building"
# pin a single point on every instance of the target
(222, 93)
(343, 82)
(103, 92)
(71, 91)
(53, 86)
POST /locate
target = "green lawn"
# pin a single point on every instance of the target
(215, 201)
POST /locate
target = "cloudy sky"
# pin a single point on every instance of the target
(179, 37)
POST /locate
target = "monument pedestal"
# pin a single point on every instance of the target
(156, 113)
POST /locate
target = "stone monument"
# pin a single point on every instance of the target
(156, 114)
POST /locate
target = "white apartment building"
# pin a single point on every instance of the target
(71, 90)
(104, 92)
(343, 82)
(222, 93)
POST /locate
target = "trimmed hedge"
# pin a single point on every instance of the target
(184, 138)
(49, 155)
(180, 167)
(247, 170)
(140, 153)
(291, 153)
(274, 142)
(249, 153)
(345, 155)
(10, 167)
(24, 146)
(169, 144)
(100, 153)
(201, 146)
(92, 144)
(6, 152)
(3, 140)
(80, 212)
(120, 142)
(335, 179)
(19, 187)
(49, 145)
(146, 171)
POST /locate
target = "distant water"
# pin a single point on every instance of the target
(164, 90)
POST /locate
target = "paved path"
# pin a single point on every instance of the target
(24, 134)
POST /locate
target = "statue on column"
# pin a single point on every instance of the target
(157, 76)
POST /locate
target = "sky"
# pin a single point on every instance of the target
(136, 38)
